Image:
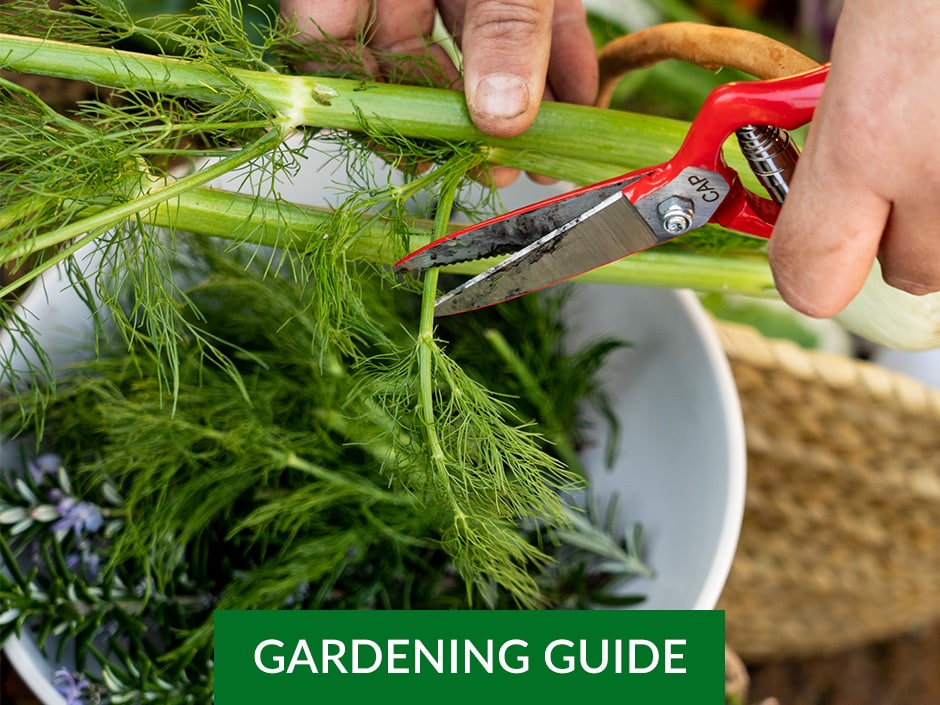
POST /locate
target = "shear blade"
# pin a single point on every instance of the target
(610, 230)
(513, 231)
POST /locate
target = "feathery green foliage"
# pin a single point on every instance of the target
(334, 480)
(209, 86)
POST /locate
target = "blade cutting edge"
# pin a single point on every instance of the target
(513, 231)
(608, 231)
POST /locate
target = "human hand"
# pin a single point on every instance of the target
(868, 182)
(515, 52)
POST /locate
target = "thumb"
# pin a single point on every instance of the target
(506, 46)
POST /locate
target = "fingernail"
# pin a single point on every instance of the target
(501, 95)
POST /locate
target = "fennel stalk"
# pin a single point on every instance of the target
(239, 93)
(209, 87)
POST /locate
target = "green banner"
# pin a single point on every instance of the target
(455, 657)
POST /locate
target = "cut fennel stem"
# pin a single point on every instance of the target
(891, 317)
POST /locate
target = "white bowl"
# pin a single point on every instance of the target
(62, 323)
(680, 466)
(58, 317)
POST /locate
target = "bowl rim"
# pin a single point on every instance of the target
(737, 451)
(25, 658)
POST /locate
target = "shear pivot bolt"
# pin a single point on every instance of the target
(676, 214)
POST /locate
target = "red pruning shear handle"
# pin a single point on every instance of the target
(556, 239)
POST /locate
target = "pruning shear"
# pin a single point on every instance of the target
(564, 236)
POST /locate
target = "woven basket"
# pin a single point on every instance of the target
(841, 537)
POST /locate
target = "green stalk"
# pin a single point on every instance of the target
(425, 349)
(575, 143)
(741, 272)
(79, 233)
(621, 140)
(425, 355)
(223, 214)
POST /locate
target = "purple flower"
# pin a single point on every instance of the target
(45, 464)
(89, 563)
(71, 686)
(80, 516)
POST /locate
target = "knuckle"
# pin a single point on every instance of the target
(493, 19)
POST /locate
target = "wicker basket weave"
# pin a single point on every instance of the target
(841, 537)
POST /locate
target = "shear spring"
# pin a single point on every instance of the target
(772, 155)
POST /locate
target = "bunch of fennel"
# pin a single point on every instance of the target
(313, 489)
(208, 85)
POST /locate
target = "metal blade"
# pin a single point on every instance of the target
(610, 230)
(513, 231)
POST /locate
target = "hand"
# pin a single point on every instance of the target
(511, 48)
(868, 183)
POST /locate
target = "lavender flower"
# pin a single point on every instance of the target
(77, 515)
(71, 686)
(46, 464)
(87, 562)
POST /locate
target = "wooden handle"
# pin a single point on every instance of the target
(699, 44)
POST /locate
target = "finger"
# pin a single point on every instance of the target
(572, 65)
(339, 19)
(910, 248)
(826, 238)
(506, 46)
(452, 14)
(332, 32)
(495, 176)
(401, 40)
(399, 22)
